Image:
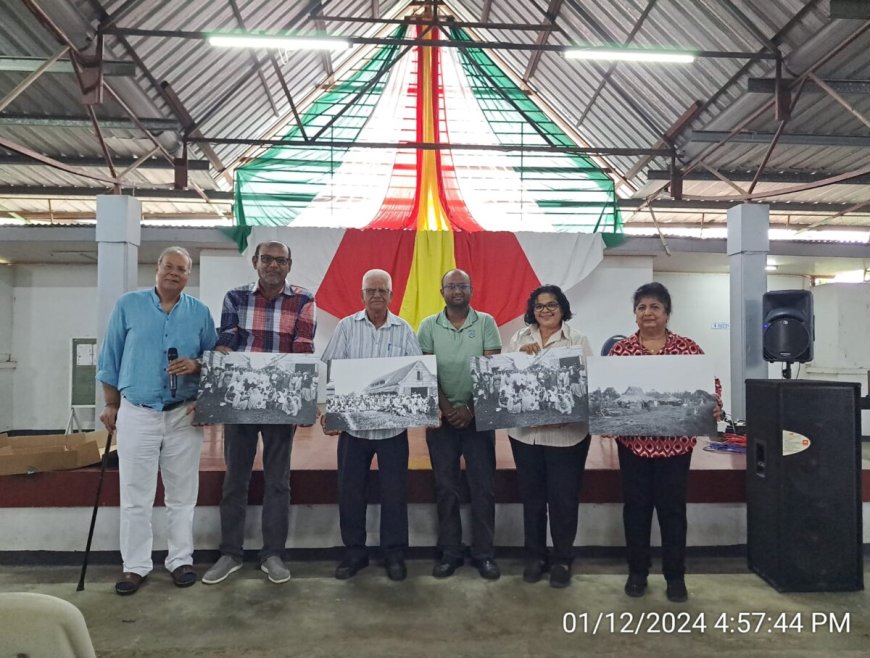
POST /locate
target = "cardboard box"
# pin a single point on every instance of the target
(51, 452)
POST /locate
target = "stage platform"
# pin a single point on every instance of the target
(36, 514)
(715, 477)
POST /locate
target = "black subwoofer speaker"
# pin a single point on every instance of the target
(803, 484)
(788, 331)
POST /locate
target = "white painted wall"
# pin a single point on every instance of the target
(842, 347)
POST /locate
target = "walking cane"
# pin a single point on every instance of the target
(81, 584)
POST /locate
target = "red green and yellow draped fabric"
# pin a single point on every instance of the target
(419, 212)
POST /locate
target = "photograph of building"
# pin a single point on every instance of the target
(403, 393)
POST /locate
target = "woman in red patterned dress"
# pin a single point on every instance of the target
(655, 470)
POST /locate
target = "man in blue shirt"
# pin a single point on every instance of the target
(148, 402)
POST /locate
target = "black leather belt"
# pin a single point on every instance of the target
(168, 407)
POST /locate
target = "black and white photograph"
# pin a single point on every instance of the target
(258, 387)
(378, 394)
(520, 390)
(662, 396)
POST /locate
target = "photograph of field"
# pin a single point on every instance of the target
(652, 396)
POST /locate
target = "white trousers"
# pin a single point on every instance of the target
(148, 440)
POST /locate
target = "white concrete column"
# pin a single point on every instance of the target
(747, 248)
(7, 364)
(119, 224)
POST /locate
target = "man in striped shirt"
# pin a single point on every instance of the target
(267, 316)
(371, 333)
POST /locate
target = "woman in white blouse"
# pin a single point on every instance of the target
(550, 459)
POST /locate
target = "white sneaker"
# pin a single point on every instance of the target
(221, 570)
(274, 567)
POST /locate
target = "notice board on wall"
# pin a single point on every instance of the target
(83, 372)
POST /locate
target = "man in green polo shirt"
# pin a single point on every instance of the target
(455, 335)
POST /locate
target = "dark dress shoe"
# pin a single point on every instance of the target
(396, 569)
(560, 575)
(184, 576)
(446, 567)
(635, 586)
(535, 570)
(488, 569)
(348, 567)
(676, 591)
(128, 583)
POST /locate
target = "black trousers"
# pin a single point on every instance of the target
(550, 478)
(659, 484)
(446, 445)
(354, 464)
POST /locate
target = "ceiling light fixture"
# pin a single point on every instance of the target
(770, 267)
(276, 43)
(630, 55)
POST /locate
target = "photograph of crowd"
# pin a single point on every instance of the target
(520, 390)
(661, 396)
(258, 387)
(388, 393)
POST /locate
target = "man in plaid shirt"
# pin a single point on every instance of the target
(267, 316)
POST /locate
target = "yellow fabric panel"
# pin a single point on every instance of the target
(433, 256)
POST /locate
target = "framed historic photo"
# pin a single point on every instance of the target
(386, 393)
(667, 395)
(520, 390)
(258, 387)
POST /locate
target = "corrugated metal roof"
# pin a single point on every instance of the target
(224, 93)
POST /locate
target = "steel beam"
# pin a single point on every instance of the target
(51, 162)
(767, 86)
(151, 163)
(552, 14)
(40, 192)
(715, 136)
(746, 176)
(428, 146)
(30, 79)
(859, 9)
(696, 206)
(28, 64)
(114, 123)
(441, 22)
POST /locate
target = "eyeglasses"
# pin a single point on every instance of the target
(457, 286)
(550, 306)
(268, 260)
(371, 292)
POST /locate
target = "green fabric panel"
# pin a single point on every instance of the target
(515, 119)
(275, 187)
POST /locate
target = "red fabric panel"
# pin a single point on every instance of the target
(358, 252)
(500, 272)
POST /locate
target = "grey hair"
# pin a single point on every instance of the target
(383, 273)
(176, 250)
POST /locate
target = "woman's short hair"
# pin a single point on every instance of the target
(554, 290)
(655, 290)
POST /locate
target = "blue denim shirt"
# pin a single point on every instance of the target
(134, 353)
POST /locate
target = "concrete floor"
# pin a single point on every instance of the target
(315, 615)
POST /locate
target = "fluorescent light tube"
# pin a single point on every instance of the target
(277, 43)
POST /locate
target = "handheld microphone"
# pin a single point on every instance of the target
(172, 353)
